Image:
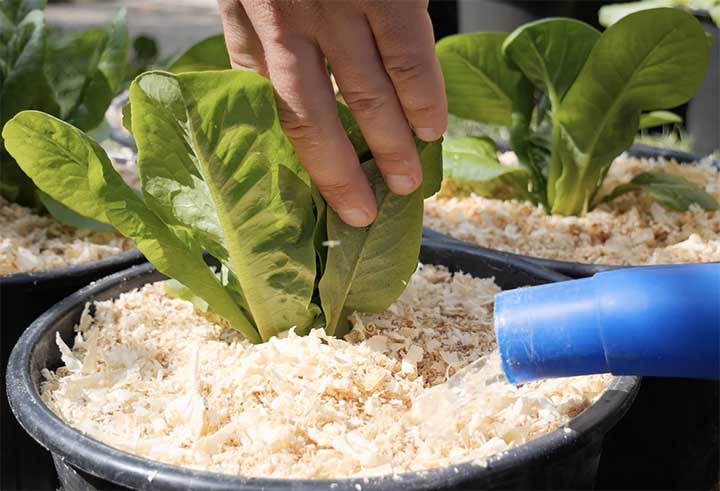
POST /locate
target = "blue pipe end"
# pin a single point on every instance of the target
(652, 321)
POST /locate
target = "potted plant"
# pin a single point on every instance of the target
(573, 100)
(289, 280)
(703, 122)
(47, 250)
(569, 116)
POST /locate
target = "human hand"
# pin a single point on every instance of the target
(382, 55)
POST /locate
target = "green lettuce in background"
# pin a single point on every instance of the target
(73, 77)
(572, 99)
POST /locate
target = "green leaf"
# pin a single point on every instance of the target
(171, 179)
(658, 118)
(24, 84)
(214, 160)
(551, 53)
(58, 158)
(529, 143)
(177, 290)
(65, 215)
(674, 192)
(87, 69)
(610, 14)
(472, 165)
(478, 81)
(208, 54)
(16, 10)
(55, 154)
(353, 132)
(649, 60)
(431, 158)
(368, 267)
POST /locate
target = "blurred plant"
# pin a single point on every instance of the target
(73, 76)
(610, 14)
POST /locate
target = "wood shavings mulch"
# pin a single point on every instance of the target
(149, 375)
(632, 230)
(32, 242)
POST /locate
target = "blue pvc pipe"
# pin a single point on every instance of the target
(654, 321)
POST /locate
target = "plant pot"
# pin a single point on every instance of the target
(669, 439)
(23, 297)
(568, 268)
(560, 459)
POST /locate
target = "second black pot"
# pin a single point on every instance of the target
(563, 459)
(23, 297)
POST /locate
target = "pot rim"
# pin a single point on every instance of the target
(572, 268)
(137, 472)
(24, 278)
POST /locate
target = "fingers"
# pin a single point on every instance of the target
(407, 48)
(308, 113)
(243, 44)
(366, 88)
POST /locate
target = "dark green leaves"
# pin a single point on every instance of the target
(674, 192)
(86, 70)
(478, 82)
(574, 99)
(73, 77)
(543, 51)
(23, 83)
(600, 114)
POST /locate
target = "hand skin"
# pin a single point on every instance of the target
(382, 55)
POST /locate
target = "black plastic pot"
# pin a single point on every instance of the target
(569, 268)
(558, 460)
(23, 297)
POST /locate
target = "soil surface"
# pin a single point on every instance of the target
(150, 375)
(631, 230)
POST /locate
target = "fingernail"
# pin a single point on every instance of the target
(355, 217)
(427, 134)
(401, 184)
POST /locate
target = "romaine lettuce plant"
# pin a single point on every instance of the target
(73, 77)
(219, 176)
(573, 100)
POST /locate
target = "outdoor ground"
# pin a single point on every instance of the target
(175, 24)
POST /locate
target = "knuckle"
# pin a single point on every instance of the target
(337, 190)
(405, 67)
(364, 101)
(244, 61)
(298, 128)
(390, 157)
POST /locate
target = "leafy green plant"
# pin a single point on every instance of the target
(207, 54)
(219, 176)
(573, 100)
(73, 77)
(610, 14)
